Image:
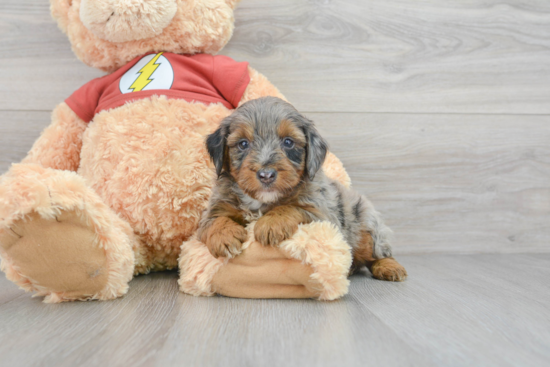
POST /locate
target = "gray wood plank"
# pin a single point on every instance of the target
(401, 56)
(444, 183)
(454, 310)
(350, 55)
(468, 310)
(460, 183)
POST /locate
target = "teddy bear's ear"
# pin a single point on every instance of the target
(60, 12)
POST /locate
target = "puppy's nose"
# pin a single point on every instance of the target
(267, 175)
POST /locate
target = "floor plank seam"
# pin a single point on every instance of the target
(13, 299)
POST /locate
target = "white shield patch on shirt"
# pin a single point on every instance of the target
(151, 72)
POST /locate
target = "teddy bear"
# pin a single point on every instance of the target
(115, 186)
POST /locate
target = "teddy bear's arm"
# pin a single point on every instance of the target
(59, 144)
(258, 87)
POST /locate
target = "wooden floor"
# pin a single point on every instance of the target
(455, 310)
(440, 111)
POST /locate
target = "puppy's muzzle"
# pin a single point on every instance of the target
(267, 175)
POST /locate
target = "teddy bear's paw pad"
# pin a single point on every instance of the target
(59, 254)
(388, 269)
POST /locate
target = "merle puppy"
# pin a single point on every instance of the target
(269, 159)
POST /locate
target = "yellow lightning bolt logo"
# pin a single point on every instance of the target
(145, 74)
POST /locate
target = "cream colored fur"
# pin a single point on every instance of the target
(60, 143)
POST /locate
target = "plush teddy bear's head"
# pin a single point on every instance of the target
(106, 34)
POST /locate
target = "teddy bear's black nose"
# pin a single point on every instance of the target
(267, 175)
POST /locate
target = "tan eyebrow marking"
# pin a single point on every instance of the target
(287, 128)
(242, 131)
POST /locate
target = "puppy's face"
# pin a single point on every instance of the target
(268, 148)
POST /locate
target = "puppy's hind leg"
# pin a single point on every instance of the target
(371, 221)
(384, 269)
(372, 248)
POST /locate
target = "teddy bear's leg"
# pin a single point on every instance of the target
(59, 239)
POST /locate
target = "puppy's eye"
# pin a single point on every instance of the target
(288, 143)
(243, 144)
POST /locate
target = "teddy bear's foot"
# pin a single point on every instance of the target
(61, 255)
(59, 239)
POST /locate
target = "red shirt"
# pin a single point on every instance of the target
(194, 78)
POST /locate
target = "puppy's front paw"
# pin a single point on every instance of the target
(270, 231)
(227, 241)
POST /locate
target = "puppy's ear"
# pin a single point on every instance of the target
(215, 143)
(316, 149)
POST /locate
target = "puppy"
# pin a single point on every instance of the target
(269, 159)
